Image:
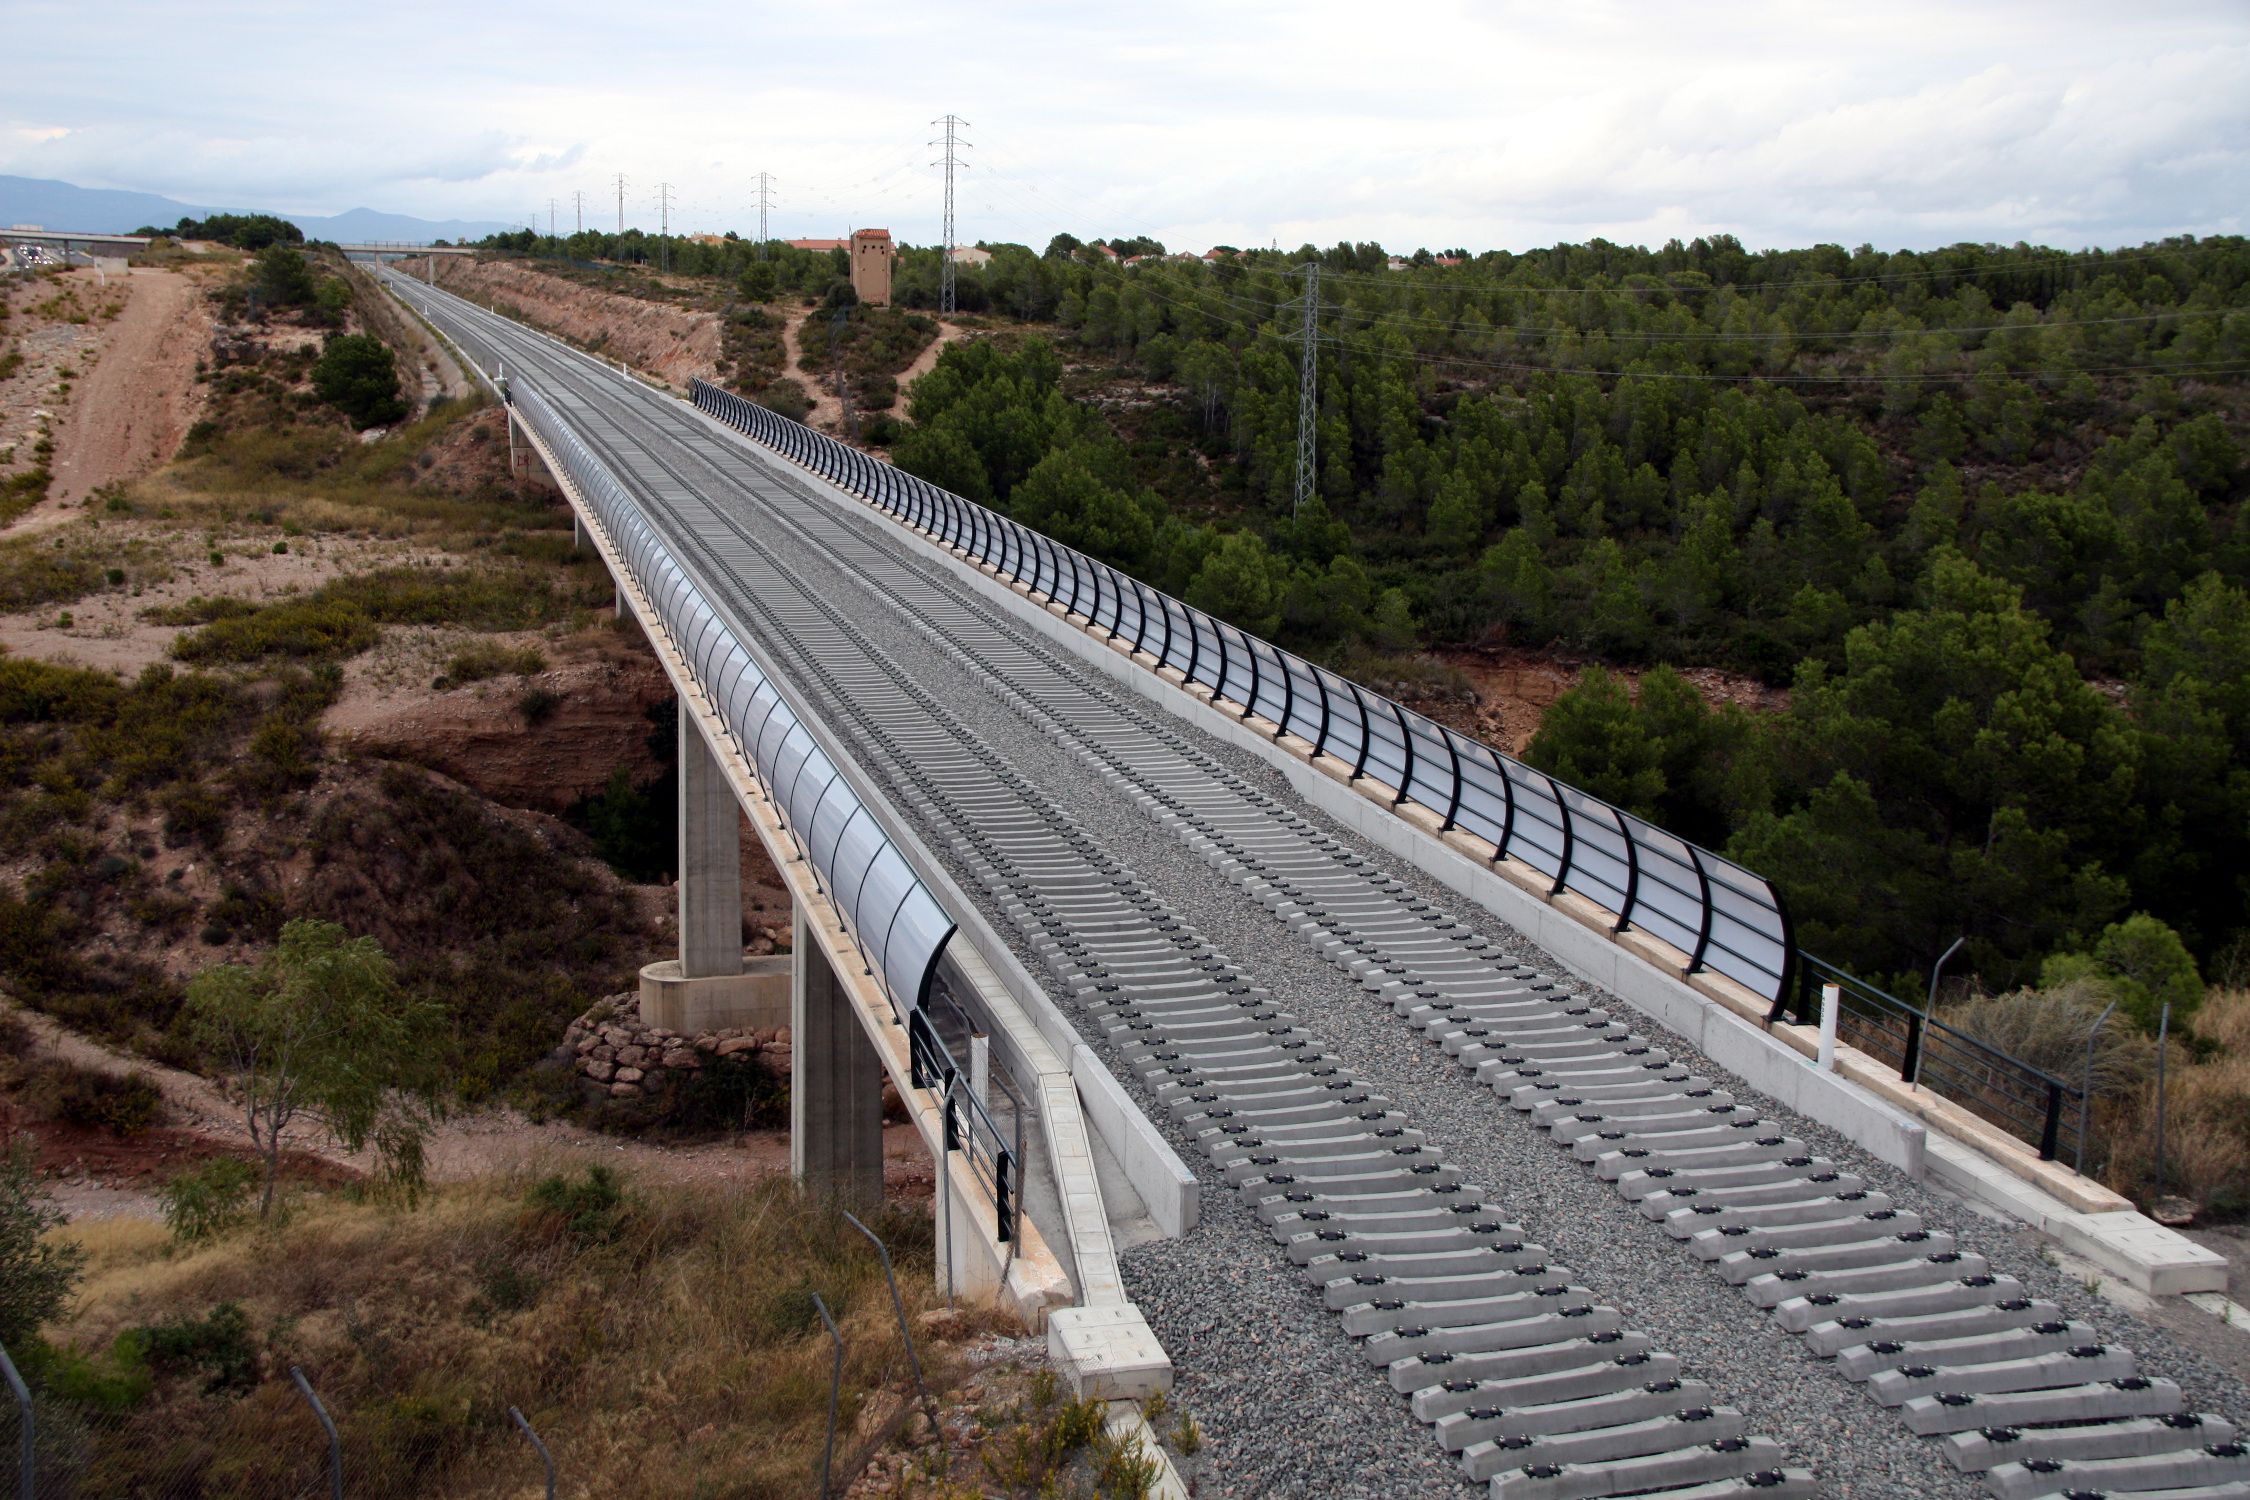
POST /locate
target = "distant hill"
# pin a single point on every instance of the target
(63, 205)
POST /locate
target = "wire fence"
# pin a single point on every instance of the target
(76, 1438)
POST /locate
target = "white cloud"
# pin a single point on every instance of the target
(1444, 123)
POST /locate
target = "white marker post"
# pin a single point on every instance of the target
(1831, 1002)
(980, 1068)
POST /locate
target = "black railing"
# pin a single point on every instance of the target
(1720, 917)
(994, 1155)
(2027, 1102)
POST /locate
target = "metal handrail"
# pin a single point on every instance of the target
(2026, 1100)
(1723, 918)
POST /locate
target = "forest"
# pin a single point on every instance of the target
(1979, 510)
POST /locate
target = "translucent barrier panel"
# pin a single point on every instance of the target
(1651, 879)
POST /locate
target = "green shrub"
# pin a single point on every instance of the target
(203, 1203)
(489, 659)
(589, 1210)
(538, 705)
(307, 629)
(37, 1274)
(358, 376)
(72, 1094)
(219, 1346)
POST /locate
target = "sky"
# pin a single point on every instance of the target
(1910, 124)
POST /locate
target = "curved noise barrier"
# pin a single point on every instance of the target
(898, 924)
(1724, 918)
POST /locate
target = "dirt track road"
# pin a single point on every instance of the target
(137, 402)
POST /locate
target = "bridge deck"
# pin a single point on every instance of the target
(1384, 1074)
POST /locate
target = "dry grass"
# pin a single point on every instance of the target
(2207, 1116)
(665, 1345)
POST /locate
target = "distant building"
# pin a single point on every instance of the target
(817, 244)
(970, 255)
(871, 266)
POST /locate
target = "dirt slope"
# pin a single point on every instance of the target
(668, 342)
(136, 403)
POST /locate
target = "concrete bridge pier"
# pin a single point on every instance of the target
(835, 1084)
(710, 986)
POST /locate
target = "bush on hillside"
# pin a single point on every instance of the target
(358, 376)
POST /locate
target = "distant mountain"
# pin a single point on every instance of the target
(62, 205)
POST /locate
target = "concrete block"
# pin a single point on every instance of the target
(756, 999)
(1107, 1353)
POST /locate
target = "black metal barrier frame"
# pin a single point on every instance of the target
(1723, 918)
(2027, 1102)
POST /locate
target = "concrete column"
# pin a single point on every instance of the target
(710, 860)
(835, 1084)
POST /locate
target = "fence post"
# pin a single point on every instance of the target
(898, 1305)
(1831, 1008)
(835, 1389)
(2053, 1126)
(544, 1456)
(335, 1447)
(27, 1458)
(2163, 1045)
(2086, 1086)
(1910, 1066)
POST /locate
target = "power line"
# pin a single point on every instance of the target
(950, 162)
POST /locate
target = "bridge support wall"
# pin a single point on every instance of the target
(709, 987)
(835, 1084)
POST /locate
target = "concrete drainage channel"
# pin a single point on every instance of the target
(1539, 1386)
(2017, 1392)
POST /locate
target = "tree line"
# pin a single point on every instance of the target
(1980, 508)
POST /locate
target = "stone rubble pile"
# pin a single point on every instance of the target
(618, 1055)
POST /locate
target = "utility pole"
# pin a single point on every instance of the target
(550, 218)
(950, 161)
(765, 202)
(664, 226)
(1308, 391)
(621, 203)
(580, 199)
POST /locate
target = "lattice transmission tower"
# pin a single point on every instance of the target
(1308, 392)
(765, 204)
(951, 161)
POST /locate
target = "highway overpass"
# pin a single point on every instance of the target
(1519, 1176)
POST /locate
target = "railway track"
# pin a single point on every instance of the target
(1534, 1383)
